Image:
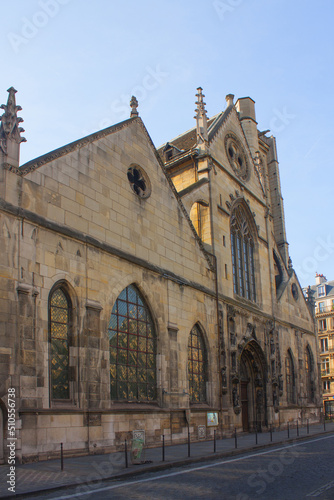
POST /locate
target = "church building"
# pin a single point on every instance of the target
(149, 291)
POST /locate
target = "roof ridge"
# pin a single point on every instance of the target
(220, 119)
(32, 165)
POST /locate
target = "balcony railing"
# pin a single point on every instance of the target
(322, 310)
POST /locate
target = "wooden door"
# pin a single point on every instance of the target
(244, 406)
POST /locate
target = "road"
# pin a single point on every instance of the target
(303, 470)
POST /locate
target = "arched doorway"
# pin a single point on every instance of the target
(253, 387)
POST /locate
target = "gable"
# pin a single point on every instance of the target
(91, 190)
(227, 146)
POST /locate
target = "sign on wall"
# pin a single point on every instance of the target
(212, 419)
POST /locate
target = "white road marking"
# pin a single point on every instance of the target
(178, 473)
(320, 490)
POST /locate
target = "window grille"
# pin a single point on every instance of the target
(132, 347)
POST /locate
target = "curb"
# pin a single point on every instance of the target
(165, 466)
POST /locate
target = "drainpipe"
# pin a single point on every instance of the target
(216, 276)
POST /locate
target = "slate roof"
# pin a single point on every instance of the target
(329, 289)
(187, 140)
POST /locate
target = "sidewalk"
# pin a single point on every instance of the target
(87, 472)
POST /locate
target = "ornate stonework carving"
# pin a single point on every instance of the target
(224, 380)
(201, 123)
(236, 156)
(134, 106)
(9, 128)
(270, 325)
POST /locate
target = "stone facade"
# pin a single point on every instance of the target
(321, 296)
(109, 212)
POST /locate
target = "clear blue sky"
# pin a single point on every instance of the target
(76, 63)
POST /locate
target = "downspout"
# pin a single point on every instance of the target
(210, 167)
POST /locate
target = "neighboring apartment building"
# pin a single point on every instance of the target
(324, 314)
(149, 290)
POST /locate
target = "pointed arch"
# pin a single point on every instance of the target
(290, 378)
(309, 374)
(253, 378)
(200, 217)
(243, 248)
(60, 325)
(132, 348)
(197, 365)
(278, 271)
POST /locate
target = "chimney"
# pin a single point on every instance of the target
(246, 109)
(320, 278)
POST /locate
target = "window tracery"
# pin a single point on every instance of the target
(290, 378)
(242, 249)
(132, 348)
(59, 328)
(197, 366)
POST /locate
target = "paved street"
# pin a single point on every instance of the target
(290, 471)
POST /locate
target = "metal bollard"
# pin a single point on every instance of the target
(256, 436)
(308, 428)
(288, 430)
(126, 454)
(235, 438)
(188, 442)
(271, 433)
(214, 441)
(297, 429)
(163, 447)
(61, 457)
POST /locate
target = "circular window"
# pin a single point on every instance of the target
(236, 156)
(294, 291)
(139, 181)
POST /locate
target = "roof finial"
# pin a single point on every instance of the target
(10, 132)
(201, 122)
(134, 106)
(229, 100)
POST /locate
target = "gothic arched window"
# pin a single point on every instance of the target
(277, 271)
(132, 347)
(309, 374)
(59, 333)
(242, 248)
(197, 366)
(200, 217)
(290, 378)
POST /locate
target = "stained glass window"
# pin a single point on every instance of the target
(290, 378)
(197, 366)
(132, 346)
(242, 249)
(309, 374)
(59, 311)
